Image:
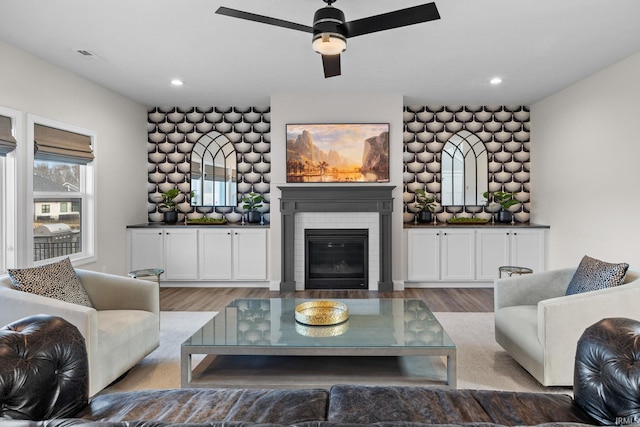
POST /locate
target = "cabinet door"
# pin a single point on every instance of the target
(458, 255)
(528, 249)
(147, 248)
(215, 256)
(250, 254)
(423, 254)
(492, 251)
(181, 254)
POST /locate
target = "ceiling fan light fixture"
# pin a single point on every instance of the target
(329, 43)
(330, 29)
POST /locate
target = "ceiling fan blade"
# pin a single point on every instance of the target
(331, 65)
(263, 19)
(396, 19)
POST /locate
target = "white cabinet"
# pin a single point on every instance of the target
(192, 253)
(436, 254)
(519, 247)
(180, 254)
(492, 251)
(458, 254)
(447, 254)
(146, 248)
(528, 249)
(233, 254)
(249, 254)
(423, 254)
(214, 252)
(171, 249)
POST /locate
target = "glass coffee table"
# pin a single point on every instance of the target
(257, 343)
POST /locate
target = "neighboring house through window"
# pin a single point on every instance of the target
(63, 191)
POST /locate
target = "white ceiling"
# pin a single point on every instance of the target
(537, 46)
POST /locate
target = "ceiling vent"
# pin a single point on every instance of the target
(87, 54)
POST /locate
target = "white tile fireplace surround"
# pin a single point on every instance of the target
(325, 207)
(338, 220)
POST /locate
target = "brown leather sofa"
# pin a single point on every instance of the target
(44, 380)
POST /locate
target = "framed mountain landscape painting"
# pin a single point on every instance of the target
(339, 152)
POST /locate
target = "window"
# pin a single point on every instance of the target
(10, 138)
(63, 191)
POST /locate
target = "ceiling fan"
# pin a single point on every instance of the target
(330, 31)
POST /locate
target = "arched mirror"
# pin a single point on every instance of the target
(214, 171)
(464, 170)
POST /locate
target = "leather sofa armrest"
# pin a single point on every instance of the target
(44, 370)
(530, 289)
(112, 292)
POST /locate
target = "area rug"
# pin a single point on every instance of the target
(482, 363)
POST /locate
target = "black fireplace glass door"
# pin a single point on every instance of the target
(336, 259)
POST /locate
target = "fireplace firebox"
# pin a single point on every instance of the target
(336, 258)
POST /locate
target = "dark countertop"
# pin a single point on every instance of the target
(486, 226)
(183, 225)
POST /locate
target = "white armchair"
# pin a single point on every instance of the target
(121, 330)
(539, 326)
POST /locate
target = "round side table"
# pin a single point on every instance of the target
(147, 272)
(510, 270)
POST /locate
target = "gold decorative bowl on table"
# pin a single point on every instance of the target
(321, 313)
(318, 331)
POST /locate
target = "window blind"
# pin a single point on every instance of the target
(7, 141)
(62, 146)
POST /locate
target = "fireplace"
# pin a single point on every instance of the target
(335, 203)
(336, 258)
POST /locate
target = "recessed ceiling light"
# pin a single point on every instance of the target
(177, 82)
(495, 81)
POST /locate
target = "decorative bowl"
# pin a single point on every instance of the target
(322, 331)
(321, 313)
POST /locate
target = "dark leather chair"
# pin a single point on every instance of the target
(44, 371)
(607, 371)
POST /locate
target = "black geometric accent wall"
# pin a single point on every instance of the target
(505, 134)
(173, 131)
(504, 131)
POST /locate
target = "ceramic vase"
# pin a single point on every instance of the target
(424, 216)
(170, 217)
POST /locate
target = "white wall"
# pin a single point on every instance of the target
(345, 108)
(33, 86)
(585, 167)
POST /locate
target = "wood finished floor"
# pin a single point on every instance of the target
(438, 299)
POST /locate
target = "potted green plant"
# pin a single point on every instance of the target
(251, 204)
(505, 200)
(169, 206)
(426, 204)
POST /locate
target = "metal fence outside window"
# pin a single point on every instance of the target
(47, 250)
